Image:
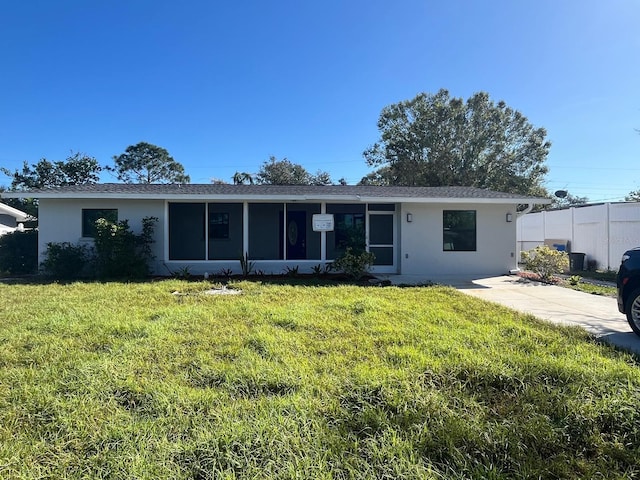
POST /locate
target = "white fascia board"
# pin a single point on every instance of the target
(502, 201)
(185, 197)
(280, 198)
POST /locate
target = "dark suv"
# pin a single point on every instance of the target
(628, 282)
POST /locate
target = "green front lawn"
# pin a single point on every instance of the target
(129, 381)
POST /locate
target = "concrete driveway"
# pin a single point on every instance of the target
(597, 314)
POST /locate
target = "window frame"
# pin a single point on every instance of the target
(447, 244)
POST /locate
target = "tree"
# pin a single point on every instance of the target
(77, 169)
(380, 177)
(242, 178)
(437, 140)
(284, 172)
(633, 196)
(147, 163)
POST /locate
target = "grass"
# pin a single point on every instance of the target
(291, 381)
(593, 282)
(594, 289)
(603, 275)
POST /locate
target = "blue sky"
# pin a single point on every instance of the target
(223, 86)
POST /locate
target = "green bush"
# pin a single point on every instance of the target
(66, 260)
(117, 253)
(545, 261)
(354, 265)
(120, 253)
(19, 252)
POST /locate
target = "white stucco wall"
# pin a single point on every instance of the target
(419, 244)
(421, 241)
(60, 220)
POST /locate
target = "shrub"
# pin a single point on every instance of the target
(354, 265)
(19, 252)
(66, 260)
(120, 253)
(545, 261)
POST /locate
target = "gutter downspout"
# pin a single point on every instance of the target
(525, 211)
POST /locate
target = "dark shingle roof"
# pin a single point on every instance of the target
(172, 190)
(243, 190)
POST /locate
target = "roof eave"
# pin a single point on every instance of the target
(291, 198)
(19, 215)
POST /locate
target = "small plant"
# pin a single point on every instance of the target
(66, 260)
(545, 262)
(246, 265)
(225, 272)
(183, 273)
(574, 279)
(321, 269)
(354, 265)
(260, 273)
(292, 271)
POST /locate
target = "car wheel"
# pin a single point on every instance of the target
(633, 311)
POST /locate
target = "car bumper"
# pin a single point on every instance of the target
(620, 304)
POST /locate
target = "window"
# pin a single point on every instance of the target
(381, 207)
(219, 225)
(459, 230)
(91, 215)
(225, 231)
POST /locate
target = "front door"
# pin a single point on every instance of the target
(381, 241)
(296, 235)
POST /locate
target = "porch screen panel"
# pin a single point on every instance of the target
(187, 231)
(225, 231)
(349, 229)
(266, 222)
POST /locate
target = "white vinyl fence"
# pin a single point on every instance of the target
(603, 232)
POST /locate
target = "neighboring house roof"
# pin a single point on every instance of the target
(363, 193)
(19, 215)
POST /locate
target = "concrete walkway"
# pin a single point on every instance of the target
(597, 314)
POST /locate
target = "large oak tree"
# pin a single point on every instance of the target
(439, 140)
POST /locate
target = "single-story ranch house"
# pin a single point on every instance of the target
(207, 228)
